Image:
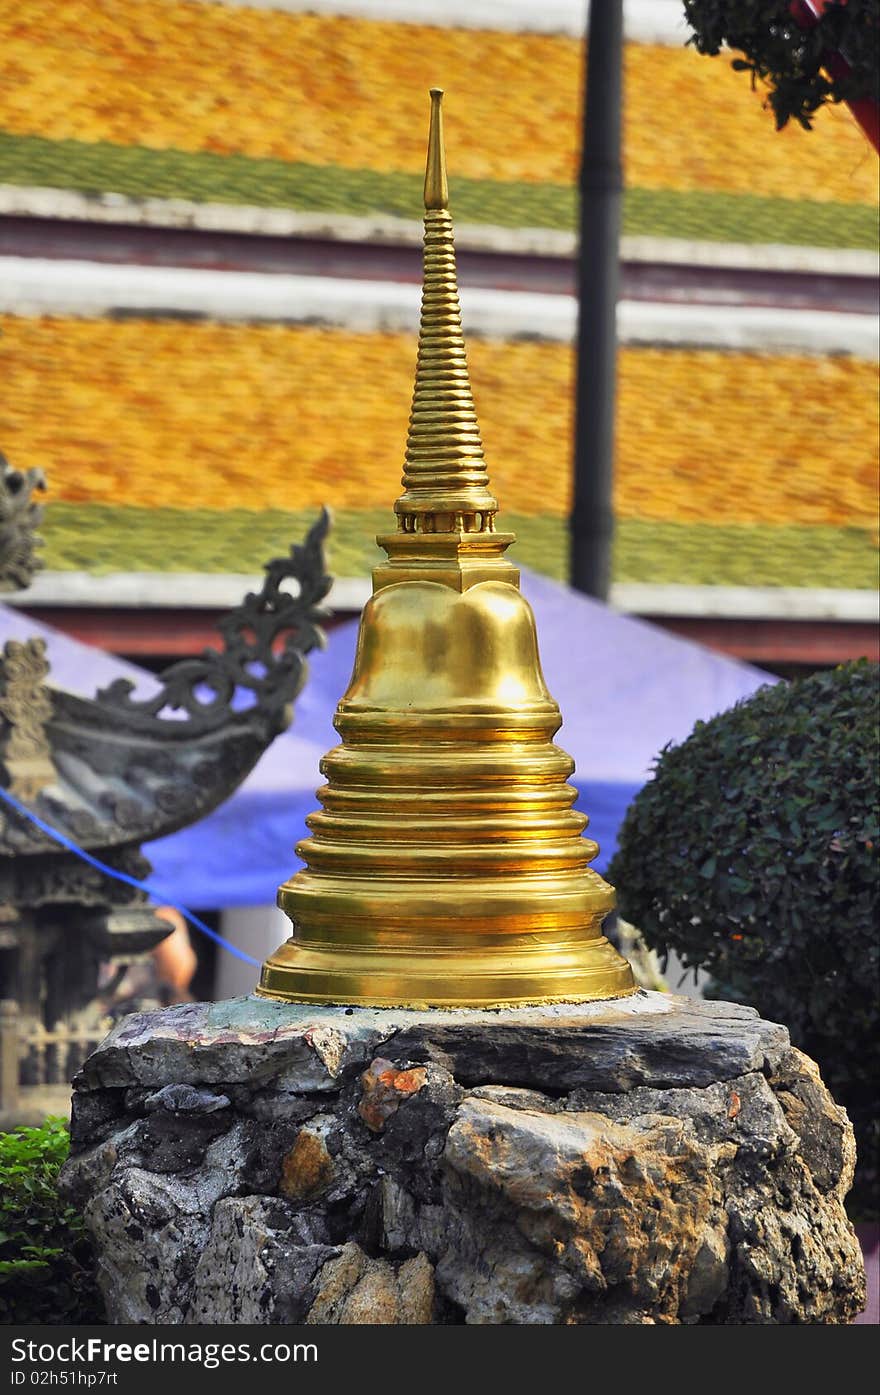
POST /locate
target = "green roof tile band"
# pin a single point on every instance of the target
(105, 538)
(139, 172)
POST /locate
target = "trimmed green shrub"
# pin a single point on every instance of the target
(46, 1264)
(788, 58)
(752, 854)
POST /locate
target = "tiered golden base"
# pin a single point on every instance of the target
(407, 973)
(447, 866)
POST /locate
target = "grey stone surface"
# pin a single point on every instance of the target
(651, 1160)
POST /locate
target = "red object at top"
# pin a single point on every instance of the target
(865, 109)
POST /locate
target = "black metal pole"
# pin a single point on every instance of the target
(601, 185)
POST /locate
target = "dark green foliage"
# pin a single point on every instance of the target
(753, 855)
(46, 1267)
(789, 58)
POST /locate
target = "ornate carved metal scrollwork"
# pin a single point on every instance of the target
(265, 641)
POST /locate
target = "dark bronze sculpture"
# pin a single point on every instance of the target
(114, 771)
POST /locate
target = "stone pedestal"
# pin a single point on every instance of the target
(651, 1160)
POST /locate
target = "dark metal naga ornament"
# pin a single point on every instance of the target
(116, 770)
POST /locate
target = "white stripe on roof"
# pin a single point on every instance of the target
(43, 286)
(645, 21)
(386, 229)
(176, 590)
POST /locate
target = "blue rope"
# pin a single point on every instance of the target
(124, 877)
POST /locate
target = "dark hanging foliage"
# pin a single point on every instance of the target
(789, 59)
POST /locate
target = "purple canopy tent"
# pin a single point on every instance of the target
(625, 689)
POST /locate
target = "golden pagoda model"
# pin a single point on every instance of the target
(447, 867)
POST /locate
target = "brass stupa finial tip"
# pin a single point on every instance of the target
(436, 188)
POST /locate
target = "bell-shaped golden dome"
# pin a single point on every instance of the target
(447, 866)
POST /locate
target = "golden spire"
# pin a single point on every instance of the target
(446, 514)
(445, 479)
(446, 866)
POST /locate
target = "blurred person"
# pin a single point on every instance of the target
(174, 959)
(156, 980)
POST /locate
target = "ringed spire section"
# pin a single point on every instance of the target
(446, 484)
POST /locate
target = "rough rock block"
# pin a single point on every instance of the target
(652, 1160)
